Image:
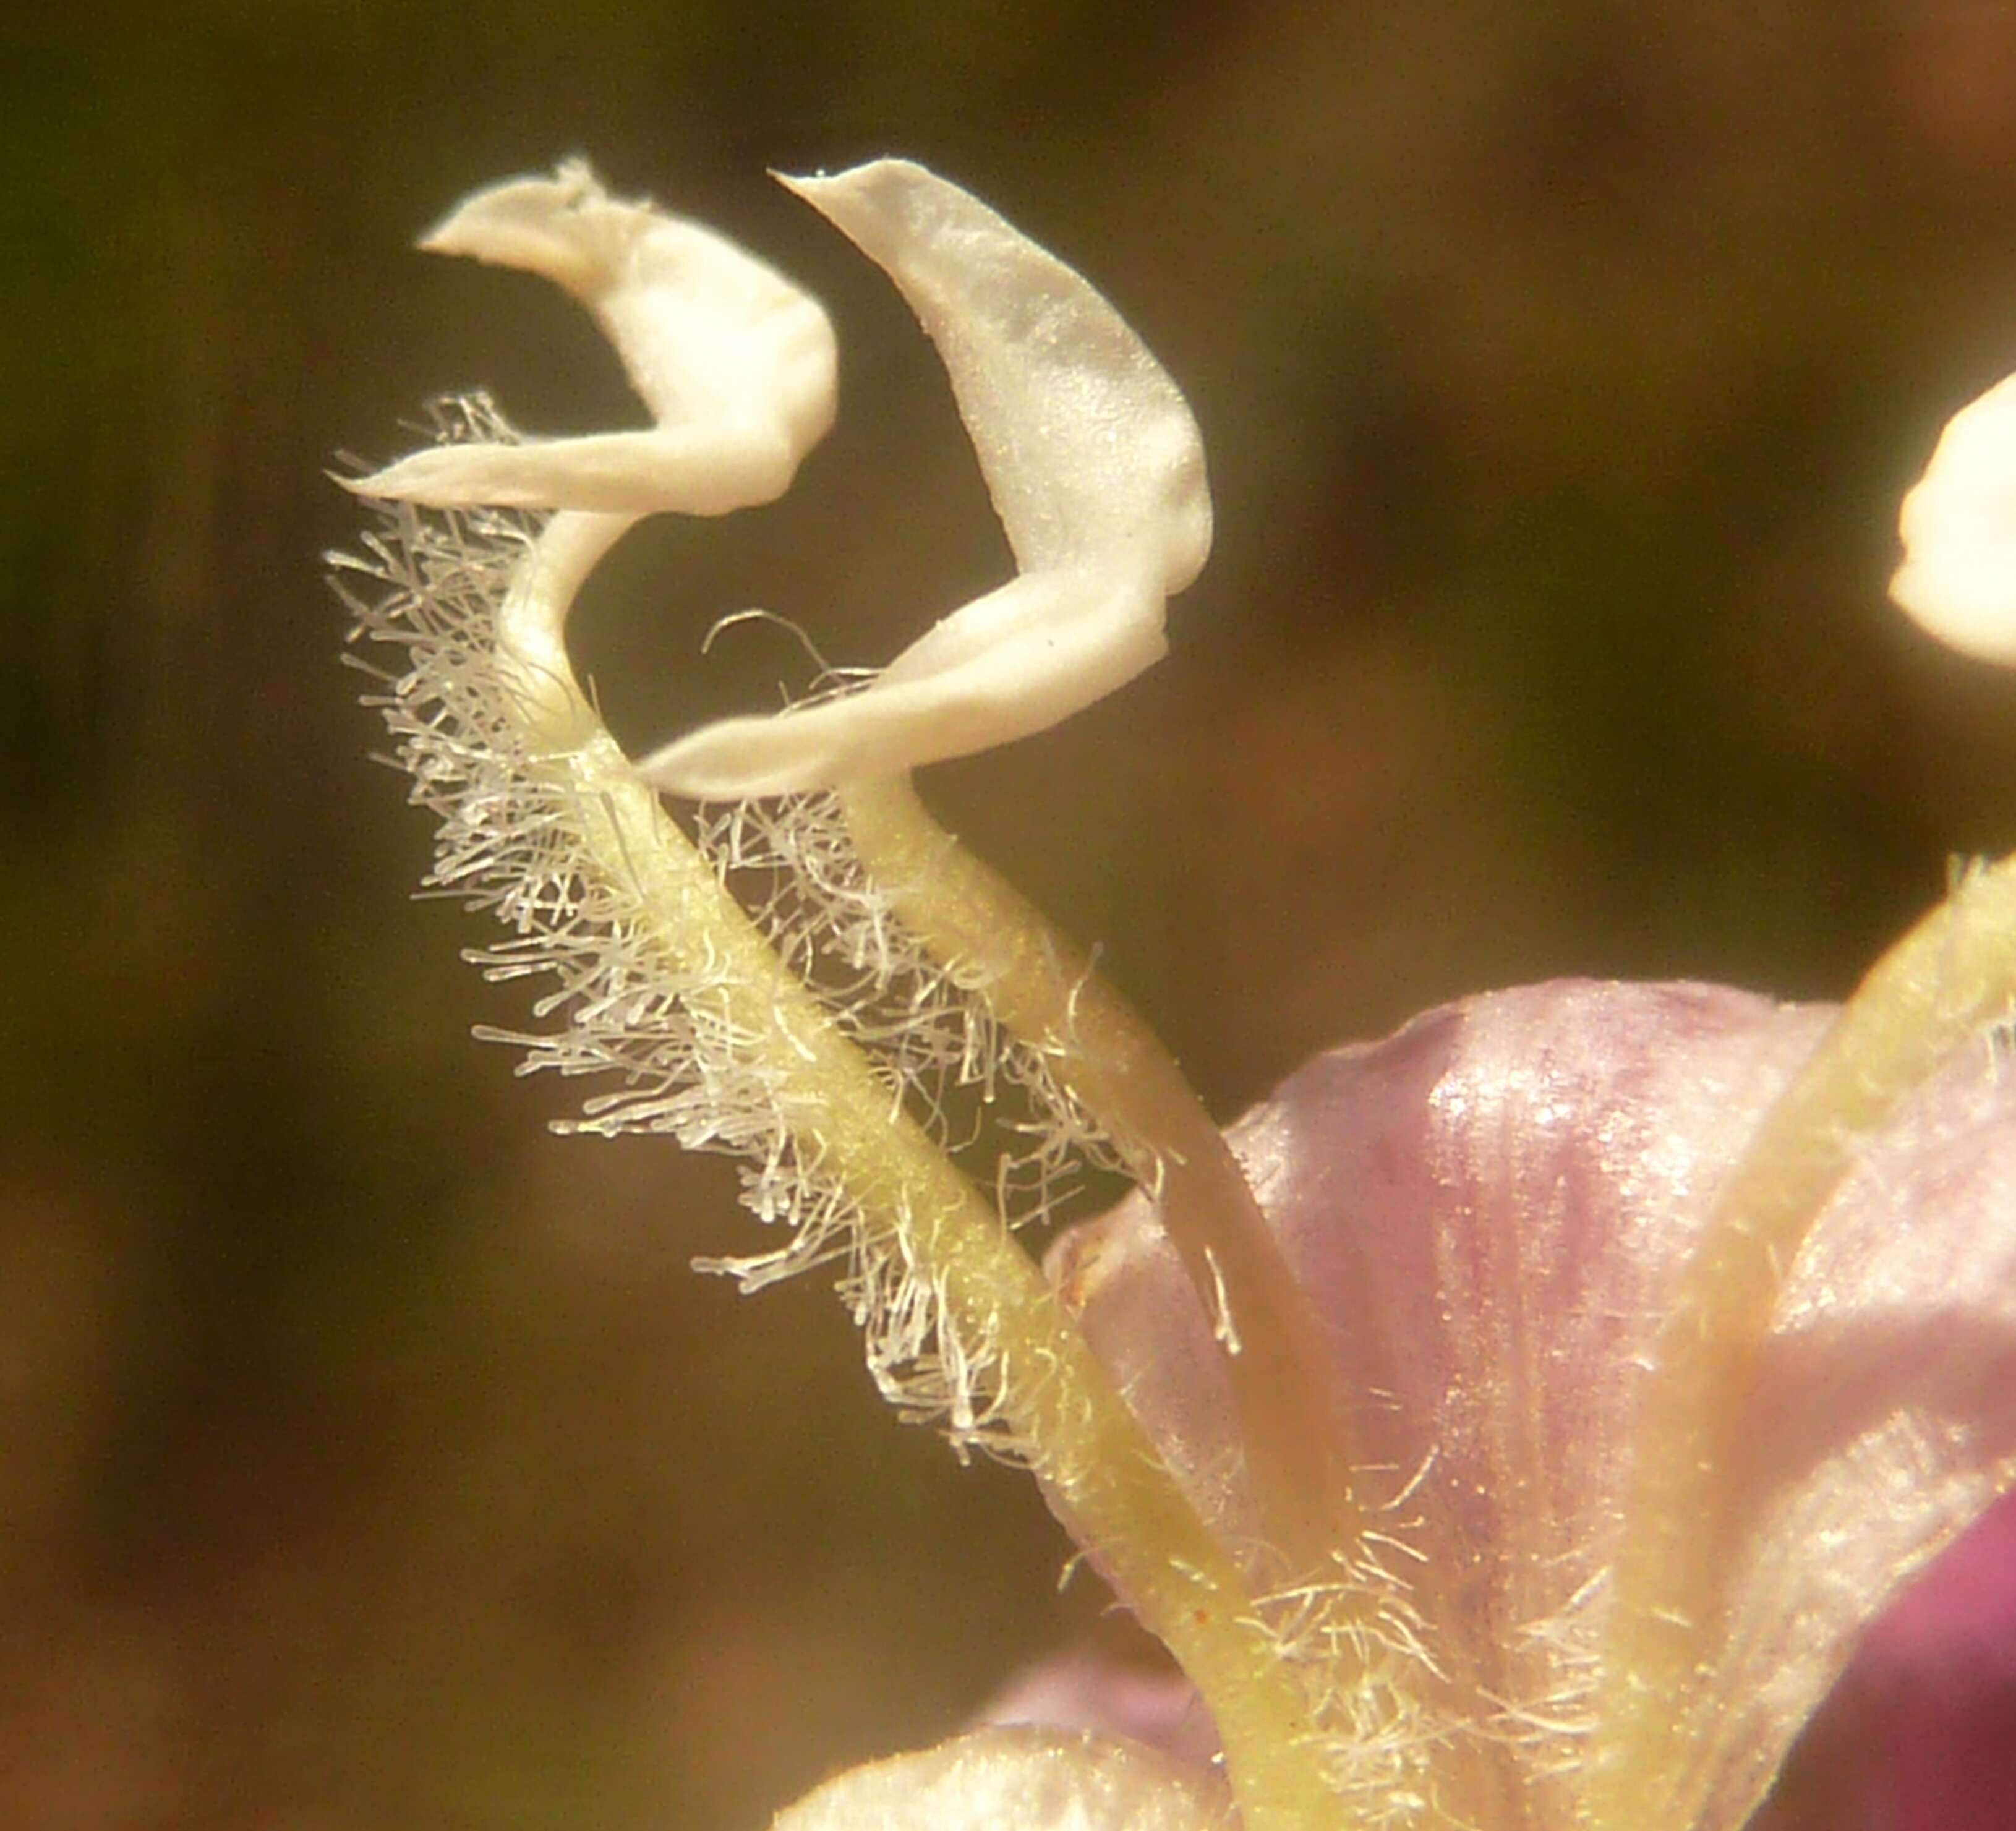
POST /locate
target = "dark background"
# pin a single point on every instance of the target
(369, 1458)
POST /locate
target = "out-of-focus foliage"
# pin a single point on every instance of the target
(367, 1458)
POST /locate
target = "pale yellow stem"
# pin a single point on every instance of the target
(1291, 1414)
(1056, 1399)
(1935, 992)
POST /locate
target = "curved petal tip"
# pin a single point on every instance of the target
(1096, 467)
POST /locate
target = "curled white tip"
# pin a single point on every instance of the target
(1085, 442)
(738, 366)
(1096, 467)
(1088, 449)
(1958, 523)
(565, 227)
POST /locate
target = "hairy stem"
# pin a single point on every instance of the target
(1059, 1407)
(1040, 988)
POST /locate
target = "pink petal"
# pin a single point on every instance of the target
(1920, 1733)
(1488, 1207)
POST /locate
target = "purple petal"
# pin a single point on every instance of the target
(1489, 1207)
(1920, 1733)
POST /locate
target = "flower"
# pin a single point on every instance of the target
(1495, 1208)
(711, 1014)
(1524, 1440)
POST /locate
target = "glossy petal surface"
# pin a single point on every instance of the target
(1488, 1207)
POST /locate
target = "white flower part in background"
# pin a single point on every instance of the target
(1958, 580)
(738, 366)
(1028, 1779)
(1096, 467)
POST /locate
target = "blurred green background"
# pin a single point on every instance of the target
(370, 1459)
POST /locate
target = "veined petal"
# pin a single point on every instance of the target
(1958, 523)
(1095, 466)
(1015, 1779)
(737, 365)
(1489, 1206)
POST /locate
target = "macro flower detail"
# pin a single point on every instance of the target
(1513, 1425)
(1494, 1207)
(1095, 468)
(737, 365)
(712, 1021)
